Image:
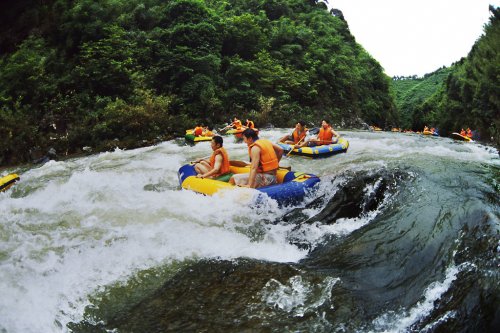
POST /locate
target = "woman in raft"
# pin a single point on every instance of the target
(217, 165)
(297, 135)
(325, 136)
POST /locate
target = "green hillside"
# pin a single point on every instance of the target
(412, 92)
(77, 73)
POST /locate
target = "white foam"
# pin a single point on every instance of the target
(72, 227)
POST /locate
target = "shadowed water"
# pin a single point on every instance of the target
(402, 235)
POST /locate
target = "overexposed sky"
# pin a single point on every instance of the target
(410, 37)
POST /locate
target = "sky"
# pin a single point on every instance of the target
(415, 37)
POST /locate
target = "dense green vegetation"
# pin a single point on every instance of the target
(412, 92)
(77, 73)
(469, 95)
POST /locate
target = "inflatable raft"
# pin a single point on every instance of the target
(238, 133)
(458, 136)
(292, 186)
(318, 151)
(192, 138)
(430, 133)
(7, 181)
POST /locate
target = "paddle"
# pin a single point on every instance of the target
(293, 147)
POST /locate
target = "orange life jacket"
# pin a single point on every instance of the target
(268, 159)
(225, 161)
(298, 137)
(237, 124)
(208, 133)
(198, 131)
(250, 124)
(469, 133)
(325, 136)
(462, 133)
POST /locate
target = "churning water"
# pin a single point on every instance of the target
(402, 235)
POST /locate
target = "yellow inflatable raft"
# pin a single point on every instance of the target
(291, 186)
(7, 181)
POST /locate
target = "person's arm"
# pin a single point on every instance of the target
(335, 134)
(254, 167)
(278, 150)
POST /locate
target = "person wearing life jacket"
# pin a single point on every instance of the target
(298, 135)
(217, 165)
(208, 131)
(236, 124)
(264, 156)
(249, 124)
(325, 136)
(198, 130)
(462, 132)
(469, 132)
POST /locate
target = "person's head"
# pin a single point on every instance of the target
(217, 142)
(300, 125)
(325, 123)
(210, 128)
(235, 118)
(249, 136)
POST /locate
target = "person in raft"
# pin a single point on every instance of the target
(208, 131)
(325, 136)
(249, 124)
(198, 130)
(236, 124)
(217, 165)
(264, 156)
(298, 135)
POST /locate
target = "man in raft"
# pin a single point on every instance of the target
(325, 136)
(249, 124)
(217, 165)
(264, 156)
(236, 124)
(297, 136)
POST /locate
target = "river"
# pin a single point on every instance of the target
(402, 235)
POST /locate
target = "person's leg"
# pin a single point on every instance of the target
(202, 168)
(239, 179)
(264, 179)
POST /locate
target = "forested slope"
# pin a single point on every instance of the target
(77, 73)
(469, 95)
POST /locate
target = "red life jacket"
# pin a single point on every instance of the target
(198, 131)
(225, 161)
(268, 159)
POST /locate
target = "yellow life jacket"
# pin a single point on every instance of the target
(225, 161)
(250, 124)
(268, 159)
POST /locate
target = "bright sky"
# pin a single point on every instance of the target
(410, 37)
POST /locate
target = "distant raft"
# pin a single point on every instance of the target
(318, 151)
(458, 136)
(292, 186)
(238, 133)
(192, 138)
(430, 133)
(7, 181)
